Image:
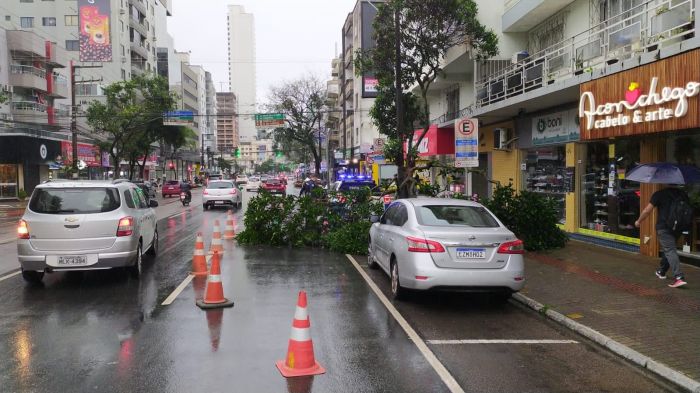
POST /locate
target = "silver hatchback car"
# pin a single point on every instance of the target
(436, 243)
(86, 225)
(221, 193)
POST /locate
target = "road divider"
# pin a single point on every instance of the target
(439, 368)
(497, 341)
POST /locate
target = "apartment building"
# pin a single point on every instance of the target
(334, 114)
(357, 93)
(537, 107)
(242, 69)
(226, 123)
(211, 112)
(255, 153)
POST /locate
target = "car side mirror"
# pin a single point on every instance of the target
(153, 203)
(374, 219)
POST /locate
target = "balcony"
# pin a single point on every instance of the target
(28, 77)
(349, 88)
(644, 28)
(57, 57)
(26, 43)
(29, 112)
(60, 87)
(139, 49)
(522, 15)
(332, 89)
(139, 26)
(139, 5)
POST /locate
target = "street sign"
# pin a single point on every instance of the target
(178, 118)
(467, 143)
(370, 160)
(269, 120)
(378, 145)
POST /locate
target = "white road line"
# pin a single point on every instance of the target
(170, 299)
(10, 275)
(483, 341)
(439, 368)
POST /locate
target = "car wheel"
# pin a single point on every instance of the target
(502, 297)
(32, 276)
(371, 263)
(153, 251)
(397, 291)
(205, 207)
(136, 269)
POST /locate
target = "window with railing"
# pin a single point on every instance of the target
(25, 69)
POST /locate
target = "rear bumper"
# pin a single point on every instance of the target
(217, 201)
(121, 254)
(511, 277)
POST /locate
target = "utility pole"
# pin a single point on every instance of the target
(399, 90)
(74, 113)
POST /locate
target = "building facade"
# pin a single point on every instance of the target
(242, 69)
(226, 123)
(211, 112)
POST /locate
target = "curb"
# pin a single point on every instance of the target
(626, 352)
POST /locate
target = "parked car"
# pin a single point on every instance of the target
(85, 225)
(282, 178)
(274, 186)
(221, 193)
(253, 184)
(435, 243)
(148, 188)
(241, 179)
(170, 188)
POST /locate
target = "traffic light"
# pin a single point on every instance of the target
(278, 153)
(238, 153)
(172, 166)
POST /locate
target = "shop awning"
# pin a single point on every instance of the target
(437, 141)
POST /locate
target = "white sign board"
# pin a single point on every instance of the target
(558, 127)
(467, 143)
(378, 145)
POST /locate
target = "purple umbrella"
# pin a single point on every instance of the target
(664, 173)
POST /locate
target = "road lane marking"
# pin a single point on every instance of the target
(439, 368)
(485, 341)
(170, 299)
(10, 275)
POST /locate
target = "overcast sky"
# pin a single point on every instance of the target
(293, 37)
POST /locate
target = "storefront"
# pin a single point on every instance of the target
(647, 114)
(92, 164)
(24, 163)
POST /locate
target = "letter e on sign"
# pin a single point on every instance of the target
(466, 127)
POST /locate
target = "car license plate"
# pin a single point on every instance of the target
(171, 188)
(219, 202)
(75, 260)
(471, 253)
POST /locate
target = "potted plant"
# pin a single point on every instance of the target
(22, 195)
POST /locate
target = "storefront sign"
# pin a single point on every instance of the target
(558, 127)
(467, 143)
(646, 99)
(89, 154)
(436, 141)
(667, 103)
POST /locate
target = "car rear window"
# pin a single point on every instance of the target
(272, 181)
(455, 215)
(172, 182)
(220, 184)
(253, 178)
(74, 200)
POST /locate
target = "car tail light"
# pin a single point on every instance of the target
(22, 230)
(422, 245)
(233, 191)
(512, 247)
(126, 227)
(206, 192)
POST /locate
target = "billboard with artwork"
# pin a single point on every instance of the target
(95, 33)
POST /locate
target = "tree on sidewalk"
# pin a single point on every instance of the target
(412, 38)
(302, 103)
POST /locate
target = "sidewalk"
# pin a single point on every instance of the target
(617, 294)
(10, 213)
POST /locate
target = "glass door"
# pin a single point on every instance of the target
(8, 181)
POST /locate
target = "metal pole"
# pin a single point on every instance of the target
(73, 122)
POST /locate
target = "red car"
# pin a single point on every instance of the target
(283, 179)
(170, 188)
(274, 186)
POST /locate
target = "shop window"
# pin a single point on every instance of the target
(684, 149)
(8, 181)
(546, 174)
(608, 202)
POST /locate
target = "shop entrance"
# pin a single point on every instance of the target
(8, 181)
(480, 181)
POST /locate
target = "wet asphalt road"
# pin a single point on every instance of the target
(106, 332)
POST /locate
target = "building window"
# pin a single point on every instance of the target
(121, 25)
(71, 20)
(48, 21)
(72, 45)
(26, 22)
(123, 51)
(124, 74)
(26, 1)
(8, 18)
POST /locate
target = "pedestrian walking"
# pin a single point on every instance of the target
(674, 216)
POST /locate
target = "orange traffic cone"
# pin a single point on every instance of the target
(216, 244)
(229, 231)
(300, 353)
(199, 261)
(214, 296)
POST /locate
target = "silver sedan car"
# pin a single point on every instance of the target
(436, 243)
(221, 193)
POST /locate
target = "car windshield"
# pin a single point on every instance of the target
(220, 184)
(74, 200)
(253, 179)
(455, 215)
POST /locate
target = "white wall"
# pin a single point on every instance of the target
(4, 69)
(242, 78)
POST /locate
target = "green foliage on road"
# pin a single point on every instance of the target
(310, 221)
(531, 216)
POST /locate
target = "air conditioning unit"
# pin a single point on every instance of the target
(502, 139)
(519, 56)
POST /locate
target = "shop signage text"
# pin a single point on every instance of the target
(558, 127)
(615, 114)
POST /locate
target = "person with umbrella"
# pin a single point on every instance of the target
(675, 213)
